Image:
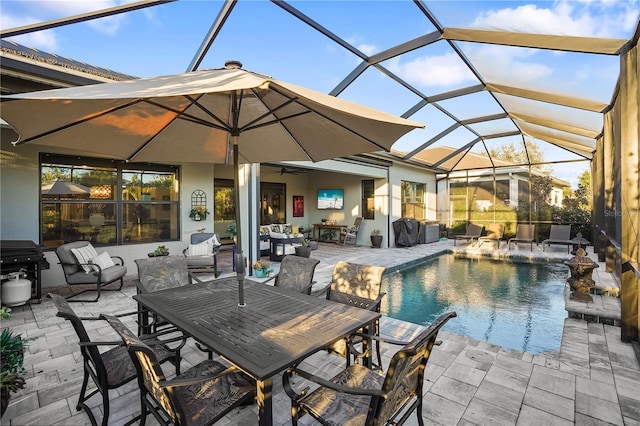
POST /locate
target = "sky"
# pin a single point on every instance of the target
(164, 40)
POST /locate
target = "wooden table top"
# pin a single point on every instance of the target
(276, 329)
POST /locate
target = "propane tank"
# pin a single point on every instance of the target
(17, 290)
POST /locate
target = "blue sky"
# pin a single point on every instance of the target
(163, 40)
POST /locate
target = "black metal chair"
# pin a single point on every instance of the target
(199, 259)
(296, 273)
(77, 261)
(157, 273)
(200, 396)
(113, 368)
(356, 285)
(359, 396)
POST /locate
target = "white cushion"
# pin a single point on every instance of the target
(84, 256)
(278, 235)
(103, 260)
(215, 241)
(200, 249)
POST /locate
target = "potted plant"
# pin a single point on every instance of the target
(232, 230)
(198, 213)
(11, 365)
(159, 251)
(261, 268)
(376, 238)
(305, 249)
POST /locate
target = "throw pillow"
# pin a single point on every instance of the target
(103, 260)
(214, 241)
(200, 249)
(84, 255)
(295, 229)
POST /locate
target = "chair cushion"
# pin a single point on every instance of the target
(203, 248)
(278, 235)
(108, 275)
(102, 260)
(84, 256)
(200, 261)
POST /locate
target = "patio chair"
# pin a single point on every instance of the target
(157, 273)
(473, 233)
(201, 395)
(524, 234)
(356, 285)
(82, 265)
(202, 253)
(359, 396)
(296, 273)
(495, 232)
(113, 368)
(559, 234)
(350, 235)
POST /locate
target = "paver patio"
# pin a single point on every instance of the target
(593, 379)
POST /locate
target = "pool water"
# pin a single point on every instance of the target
(514, 305)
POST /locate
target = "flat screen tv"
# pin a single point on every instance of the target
(330, 199)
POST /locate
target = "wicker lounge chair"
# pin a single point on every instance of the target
(361, 396)
(356, 285)
(524, 234)
(113, 368)
(296, 273)
(473, 233)
(201, 395)
(559, 234)
(495, 232)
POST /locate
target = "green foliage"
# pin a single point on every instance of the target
(375, 232)
(11, 362)
(328, 234)
(232, 230)
(161, 251)
(3, 313)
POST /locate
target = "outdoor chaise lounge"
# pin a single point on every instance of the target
(473, 233)
(495, 232)
(524, 234)
(559, 234)
(361, 396)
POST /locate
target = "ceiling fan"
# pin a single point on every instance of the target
(285, 170)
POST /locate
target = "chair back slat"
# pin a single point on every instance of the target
(405, 374)
(157, 273)
(296, 273)
(495, 230)
(474, 230)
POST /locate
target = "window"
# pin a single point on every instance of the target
(107, 202)
(224, 207)
(368, 199)
(272, 205)
(414, 204)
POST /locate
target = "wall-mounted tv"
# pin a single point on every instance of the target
(330, 199)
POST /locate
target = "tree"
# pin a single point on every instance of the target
(582, 196)
(518, 155)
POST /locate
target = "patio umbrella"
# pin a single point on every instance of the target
(202, 116)
(62, 187)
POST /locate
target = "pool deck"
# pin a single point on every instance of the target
(593, 379)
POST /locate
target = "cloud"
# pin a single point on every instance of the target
(43, 40)
(441, 70)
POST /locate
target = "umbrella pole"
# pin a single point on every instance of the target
(240, 262)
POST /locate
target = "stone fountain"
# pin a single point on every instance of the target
(581, 282)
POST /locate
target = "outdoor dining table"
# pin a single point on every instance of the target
(276, 328)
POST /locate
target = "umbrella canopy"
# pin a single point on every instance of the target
(202, 116)
(63, 187)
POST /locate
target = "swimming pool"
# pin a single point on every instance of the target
(515, 305)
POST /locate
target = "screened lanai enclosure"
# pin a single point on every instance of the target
(561, 93)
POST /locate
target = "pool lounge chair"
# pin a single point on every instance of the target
(495, 232)
(559, 234)
(524, 234)
(473, 233)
